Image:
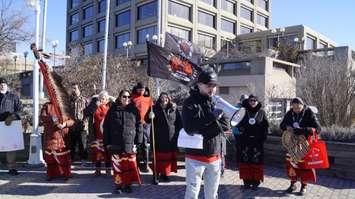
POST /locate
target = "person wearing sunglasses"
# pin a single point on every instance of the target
(167, 124)
(253, 131)
(122, 130)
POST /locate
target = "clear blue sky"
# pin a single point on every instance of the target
(334, 19)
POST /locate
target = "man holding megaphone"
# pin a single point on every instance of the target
(201, 117)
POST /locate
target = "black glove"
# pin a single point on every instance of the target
(218, 113)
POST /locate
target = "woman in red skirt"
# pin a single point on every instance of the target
(253, 131)
(97, 110)
(56, 153)
(167, 124)
(122, 129)
(302, 122)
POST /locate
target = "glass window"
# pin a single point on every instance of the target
(206, 19)
(250, 46)
(74, 19)
(118, 2)
(262, 20)
(88, 12)
(101, 25)
(74, 3)
(178, 10)
(245, 30)
(228, 26)
(246, 13)
(142, 33)
(102, 6)
(209, 2)
(310, 43)
(223, 90)
(100, 45)
(87, 31)
(74, 35)
(182, 33)
(123, 18)
(285, 39)
(147, 10)
(120, 39)
(322, 44)
(206, 41)
(236, 66)
(226, 44)
(263, 4)
(88, 49)
(228, 6)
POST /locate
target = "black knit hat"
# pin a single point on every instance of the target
(3, 80)
(140, 85)
(297, 100)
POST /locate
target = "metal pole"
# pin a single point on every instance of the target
(35, 156)
(157, 82)
(44, 29)
(53, 56)
(127, 52)
(106, 43)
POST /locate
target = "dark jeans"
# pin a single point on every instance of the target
(143, 153)
(76, 138)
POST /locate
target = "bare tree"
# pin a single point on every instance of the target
(122, 73)
(328, 83)
(12, 24)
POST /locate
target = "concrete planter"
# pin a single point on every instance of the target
(341, 157)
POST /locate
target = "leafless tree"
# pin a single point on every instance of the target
(122, 73)
(12, 23)
(328, 83)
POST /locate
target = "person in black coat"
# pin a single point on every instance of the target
(167, 124)
(253, 132)
(301, 121)
(122, 130)
(200, 117)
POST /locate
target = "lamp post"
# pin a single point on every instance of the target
(155, 38)
(127, 45)
(35, 156)
(25, 55)
(107, 22)
(54, 46)
(299, 42)
(15, 59)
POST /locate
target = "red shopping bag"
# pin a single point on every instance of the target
(317, 156)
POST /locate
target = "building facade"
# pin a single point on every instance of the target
(299, 36)
(208, 23)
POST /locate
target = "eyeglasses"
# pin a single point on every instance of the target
(126, 96)
(252, 100)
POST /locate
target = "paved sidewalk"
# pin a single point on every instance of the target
(31, 184)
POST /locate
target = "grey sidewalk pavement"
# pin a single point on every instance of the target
(31, 183)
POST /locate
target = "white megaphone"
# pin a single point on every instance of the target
(234, 114)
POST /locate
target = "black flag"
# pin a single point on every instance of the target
(183, 47)
(168, 65)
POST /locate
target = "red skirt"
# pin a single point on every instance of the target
(125, 170)
(166, 162)
(98, 152)
(297, 172)
(58, 163)
(251, 171)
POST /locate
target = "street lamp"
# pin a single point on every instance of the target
(299, 42)
(54, 46)
(35, 156)
(25, 55)
(127, 45)
(15, 59)
(155, 39)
